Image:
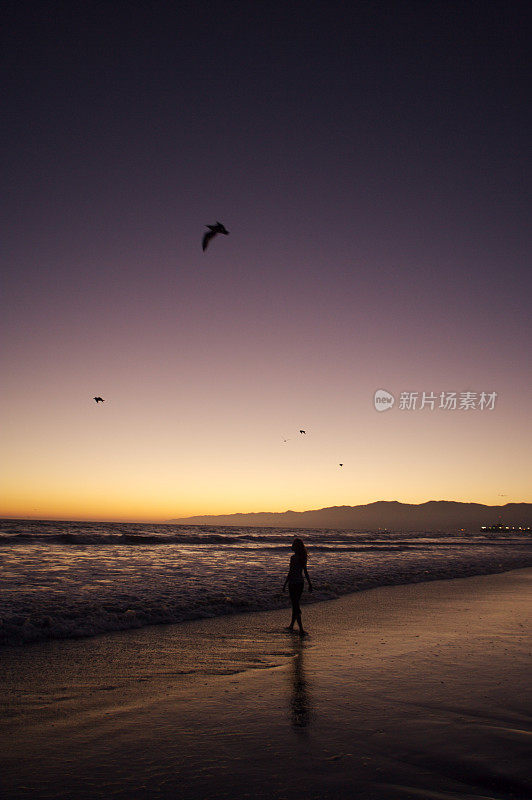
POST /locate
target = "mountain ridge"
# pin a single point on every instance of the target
(389, 514)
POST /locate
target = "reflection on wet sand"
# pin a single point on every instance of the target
(300, 699)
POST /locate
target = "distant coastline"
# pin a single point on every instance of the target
(434, 515)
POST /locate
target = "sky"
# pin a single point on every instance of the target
(371, 161)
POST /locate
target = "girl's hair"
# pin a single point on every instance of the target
(300, 550)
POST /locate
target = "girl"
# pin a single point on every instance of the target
(295, 581)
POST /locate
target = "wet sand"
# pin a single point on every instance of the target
(418, 691)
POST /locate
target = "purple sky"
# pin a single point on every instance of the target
(372, 164)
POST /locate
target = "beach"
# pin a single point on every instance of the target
(419, 690)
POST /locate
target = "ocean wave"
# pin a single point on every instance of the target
(281, 542)
(76, 618)
(70, 579)
(129, 538)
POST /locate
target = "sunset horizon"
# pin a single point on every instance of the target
(502, 503)
(376, 248)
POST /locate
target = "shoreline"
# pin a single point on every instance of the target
(364, 584)
(399, 691)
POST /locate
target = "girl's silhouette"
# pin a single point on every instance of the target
(295, 581)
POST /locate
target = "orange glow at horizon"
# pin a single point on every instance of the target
(86, 465)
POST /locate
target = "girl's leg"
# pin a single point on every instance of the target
(296, 590)
(295, 605)
(291, 626)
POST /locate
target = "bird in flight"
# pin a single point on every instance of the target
(98, 399)
(340, 465)
(213, 230)
(303, 432)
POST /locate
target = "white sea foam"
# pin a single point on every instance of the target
(65, 580)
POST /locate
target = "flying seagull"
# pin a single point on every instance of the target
(98, 399)
(213, 230)
(303, 432)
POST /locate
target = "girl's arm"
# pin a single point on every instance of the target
(308, 579)
(286, 581)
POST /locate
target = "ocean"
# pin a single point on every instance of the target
(63, 580)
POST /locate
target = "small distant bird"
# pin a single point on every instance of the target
(98, 399)
(285, 440)
(211, 233)
(303, 432)
(340, 465)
